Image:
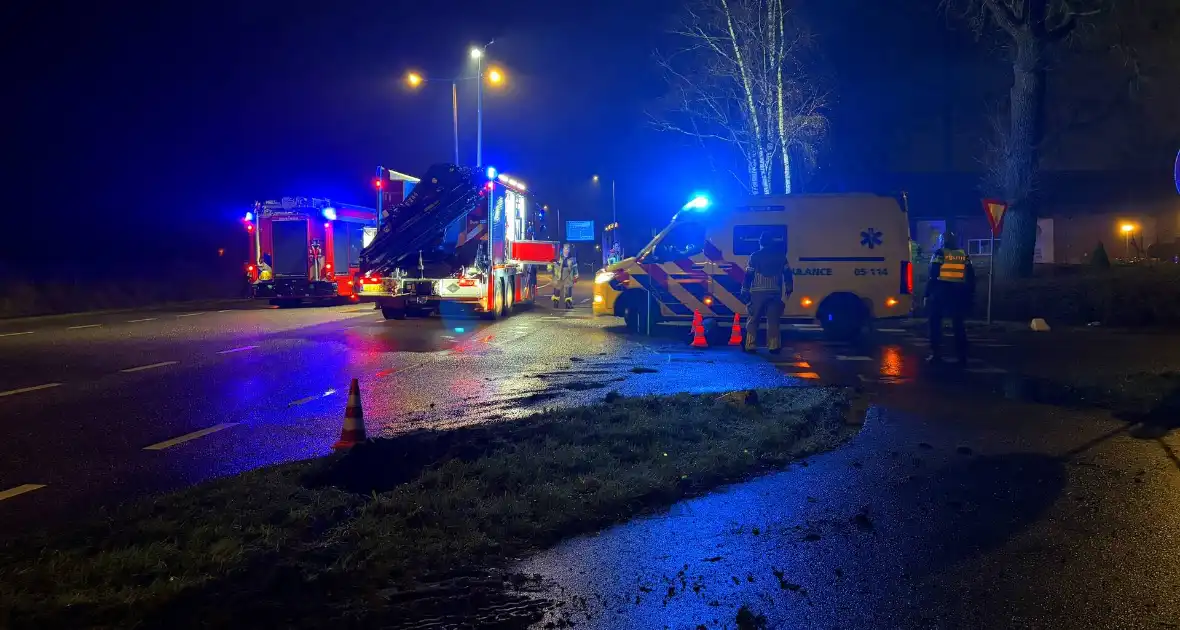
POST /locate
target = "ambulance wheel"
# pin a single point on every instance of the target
(842, 316)
(497, 309)
(393, 313)
(635, 316)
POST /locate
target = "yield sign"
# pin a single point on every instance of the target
(995, 209)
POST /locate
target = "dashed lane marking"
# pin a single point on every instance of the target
(241, 349)
(224, 310)
(841, 357)
(86, 326)
(19, 490)
(304, 401)
(891, 330)
(15, 334)
(25, 390)
(190, 314)
(159, 446)
(150, 367)
(807, 326)
(146, 319)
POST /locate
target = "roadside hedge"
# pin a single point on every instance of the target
(1134, 295)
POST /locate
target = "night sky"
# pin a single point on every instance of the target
(150, 127)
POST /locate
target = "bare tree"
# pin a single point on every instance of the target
(1124, 36)
(737, 80)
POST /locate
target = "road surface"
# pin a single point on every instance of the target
(102, 408)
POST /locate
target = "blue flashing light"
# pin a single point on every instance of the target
(460, 330)
(249, 216)
(330, 214)
(491, 172)
(698, 202)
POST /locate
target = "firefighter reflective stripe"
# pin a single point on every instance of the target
(954, 266)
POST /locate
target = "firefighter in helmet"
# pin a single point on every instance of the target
(565, 274)
(949, 293)
(768, 280)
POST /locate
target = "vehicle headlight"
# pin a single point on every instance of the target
(603, 277)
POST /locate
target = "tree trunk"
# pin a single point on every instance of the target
(1027, 130)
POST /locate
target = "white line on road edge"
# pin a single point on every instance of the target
(19, 490)
(224, 310)
(891, 330)
(302, 401)
(189, 436)
(233, 350)
(807, 326)
(841, 357)
(86, 326)
(584, 301)
(27, 332)
(191, 314)
(150, 367)
(23, 390)
(543, 286)
(146, 319)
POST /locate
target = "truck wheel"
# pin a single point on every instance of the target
(393, 313)
(842, 316)
(497, 306)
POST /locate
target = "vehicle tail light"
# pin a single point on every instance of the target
(907, 278)
(371, 279)
(466, 282)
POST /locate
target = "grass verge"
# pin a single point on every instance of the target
(403, 532)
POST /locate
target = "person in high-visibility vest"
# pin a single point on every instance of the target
(949, 293)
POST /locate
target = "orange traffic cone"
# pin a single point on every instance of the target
(698, 332)
(735, 333)
(354, 420)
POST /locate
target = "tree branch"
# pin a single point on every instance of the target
(1004, 16)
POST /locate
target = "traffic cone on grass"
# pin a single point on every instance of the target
(354, 420)
(735, 333)
(698, 332)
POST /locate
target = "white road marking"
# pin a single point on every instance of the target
(86, 326)
(841, 357)
(891, 330)
(146, 319)
(13, 392)
(303, 401)
(987, 370)
(584, 301)
(27, 332)
(191, 314)
(224, 311)
(233, 350)
(19, 490)
(807, 326)
(448, 336)
(159, 446)
(543, 286)
(150, 367)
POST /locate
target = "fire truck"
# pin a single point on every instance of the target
(306, 249)
(464, 240)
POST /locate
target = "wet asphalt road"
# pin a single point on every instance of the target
(957, 506)
(102, 408)
(954, 507)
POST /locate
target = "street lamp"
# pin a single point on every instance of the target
(614, 212)
(1127, 229)
(414, 80)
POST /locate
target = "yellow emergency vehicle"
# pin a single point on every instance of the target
(850, 254)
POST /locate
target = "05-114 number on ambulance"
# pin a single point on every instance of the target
(877, 271)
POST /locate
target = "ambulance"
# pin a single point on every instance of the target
(850, 255)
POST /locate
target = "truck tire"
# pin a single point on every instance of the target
(393, 313)
(496, 308)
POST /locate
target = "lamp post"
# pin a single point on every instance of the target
(1127, 229)
(494, 76)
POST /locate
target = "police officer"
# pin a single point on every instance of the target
(768, 277)
(949, 293)
(565, 274)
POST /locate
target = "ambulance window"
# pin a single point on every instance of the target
(745, 237)
(685, 240)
